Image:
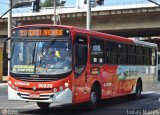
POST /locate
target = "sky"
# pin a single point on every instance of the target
(4, 4)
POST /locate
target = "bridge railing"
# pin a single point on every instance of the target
(131, 3)
(109, 6)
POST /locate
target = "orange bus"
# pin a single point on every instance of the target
(69, 65)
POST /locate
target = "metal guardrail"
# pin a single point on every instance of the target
(129, 3)
(73, 9)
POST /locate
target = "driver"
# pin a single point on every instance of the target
(52, 55)
(48, 58)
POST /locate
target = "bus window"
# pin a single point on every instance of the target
(80, 54)
(146, 56)
(97, 51)
(111, 52)
(153, 54)
(122, 53)
(139, 55)
(158, 57)
(132, 55)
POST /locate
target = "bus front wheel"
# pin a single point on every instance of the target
(93, 98)
(42, 105)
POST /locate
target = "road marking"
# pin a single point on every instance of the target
(29, 105)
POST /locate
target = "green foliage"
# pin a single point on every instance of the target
(50, 3)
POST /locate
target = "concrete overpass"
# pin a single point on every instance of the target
(129, 20)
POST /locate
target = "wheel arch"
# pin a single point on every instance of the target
(97, 85)
(140, 80)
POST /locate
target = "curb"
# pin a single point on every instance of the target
(3, 84)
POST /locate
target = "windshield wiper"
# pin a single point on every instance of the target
(52, 42)
(33, 55)
(12, 50)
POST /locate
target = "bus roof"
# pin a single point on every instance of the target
(138, 42)
(44, 25)
(95, 34)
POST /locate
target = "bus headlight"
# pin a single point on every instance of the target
(66, 84)
(9, 82)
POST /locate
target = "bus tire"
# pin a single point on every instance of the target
(93, 98)
(138, 91)
(42, 105)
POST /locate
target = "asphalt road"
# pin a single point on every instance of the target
(149, 104)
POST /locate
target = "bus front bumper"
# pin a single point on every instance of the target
(62, 97)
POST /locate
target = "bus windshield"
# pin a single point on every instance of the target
(41, 57)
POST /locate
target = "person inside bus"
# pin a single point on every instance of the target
(56, 58)
(47, 60)
(50, 56)
(61, 58)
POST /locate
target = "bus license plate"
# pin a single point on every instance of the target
(34, 96)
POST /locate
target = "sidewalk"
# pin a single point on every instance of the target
(5, 78)
(4, 82)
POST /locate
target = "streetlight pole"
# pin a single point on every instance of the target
(10, 20)
(88, 14)
(154, 2)
(55, 13)
(9, 32)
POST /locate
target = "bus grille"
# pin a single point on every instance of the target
(31, 89)
(33, 79)
(42, 97)
(39, 78)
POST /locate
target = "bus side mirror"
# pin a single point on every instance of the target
(5, 49)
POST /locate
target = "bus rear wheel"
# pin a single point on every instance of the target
(42, 105)
(138, 91)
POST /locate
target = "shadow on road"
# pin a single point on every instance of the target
(114, 106)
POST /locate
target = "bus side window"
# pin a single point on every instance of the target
(80, 54)
(139, 55)
(97, 51)
(153, 56)
(122, 54)
(132, 55)
(111, 50)
(158, 58)
(146, 56)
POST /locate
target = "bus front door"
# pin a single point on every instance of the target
(80, 62)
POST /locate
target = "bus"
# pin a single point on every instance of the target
(69, 65)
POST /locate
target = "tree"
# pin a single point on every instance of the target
(50, 3)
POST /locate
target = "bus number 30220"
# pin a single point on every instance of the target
(45, 85)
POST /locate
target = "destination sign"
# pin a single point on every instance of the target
(30, 33)
(23, 68)
(40, 32)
